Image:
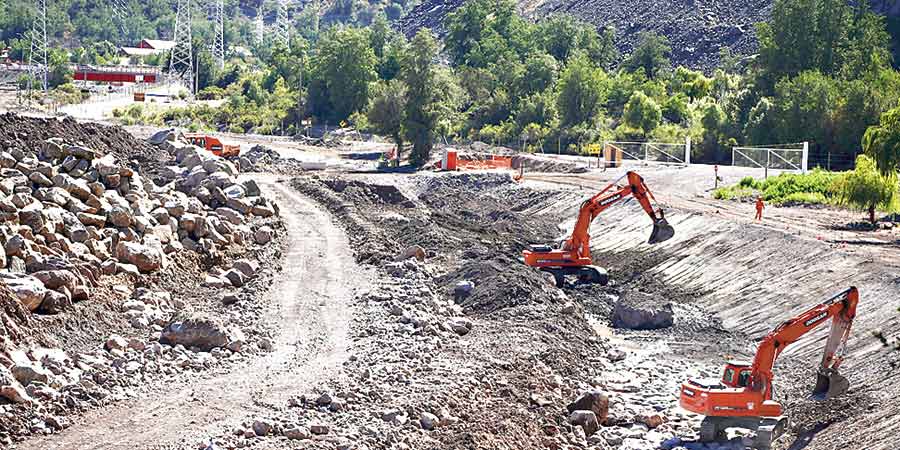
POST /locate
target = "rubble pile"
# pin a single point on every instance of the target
(264, 159)
(76, 221)
(69, 215)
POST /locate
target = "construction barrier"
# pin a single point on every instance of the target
(452, 160)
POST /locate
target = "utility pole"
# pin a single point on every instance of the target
(218, 47)
(282, 25)
(37, 58)
(181, 65)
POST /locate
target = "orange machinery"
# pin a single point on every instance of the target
(743, 397)
(573, 256)
(452, 161)
(213, 144)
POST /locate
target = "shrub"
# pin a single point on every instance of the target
(866, 188)
(747, 182)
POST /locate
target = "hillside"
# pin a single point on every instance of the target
(697, 29)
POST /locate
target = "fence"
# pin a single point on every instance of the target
(653, 152)
(789, 157)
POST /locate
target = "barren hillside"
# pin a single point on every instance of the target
(697, 29)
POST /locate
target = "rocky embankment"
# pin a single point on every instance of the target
(99, 268)
(697, 30)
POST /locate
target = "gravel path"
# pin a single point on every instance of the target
(313, 291)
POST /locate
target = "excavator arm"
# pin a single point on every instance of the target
(603, 200)
(575, 251)
(841, 308)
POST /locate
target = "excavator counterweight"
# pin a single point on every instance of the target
(573, 256)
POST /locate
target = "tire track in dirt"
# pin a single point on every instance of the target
(313, 293)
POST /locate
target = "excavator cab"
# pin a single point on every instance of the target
(736, 374)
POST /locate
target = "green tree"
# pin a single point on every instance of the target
(651, 54)
(419, 74)
(582, 91)
(386, 115)
(539, 108)
(539, 74)
(642, 112)
(675, 109)
(760, 128)
(342, 70)
(868, 50)
(806, 110)
(868, 189)
(714, 122)
(882, 142)
(691, 83)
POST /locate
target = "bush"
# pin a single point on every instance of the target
(747, 182)
(805, 198)
(777, 189)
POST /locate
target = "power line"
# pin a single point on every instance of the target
(181, 65)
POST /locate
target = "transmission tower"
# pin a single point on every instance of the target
(282, 25)
(181, 65)
(120, 10)
(37, 58)
(218, 47)
(260, 25)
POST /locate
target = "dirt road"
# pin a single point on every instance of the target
(313, 294)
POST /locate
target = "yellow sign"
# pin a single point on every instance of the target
(593, 149)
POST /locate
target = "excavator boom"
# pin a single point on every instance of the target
(574, 255)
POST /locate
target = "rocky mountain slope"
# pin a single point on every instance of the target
(697, 29)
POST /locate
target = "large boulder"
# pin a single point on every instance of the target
(594, 401)
(197, 331)
(641, 312)
(55, 279)
(161, 136)
(586, 419)
(10, 389)
(145, 258)
(28, 289)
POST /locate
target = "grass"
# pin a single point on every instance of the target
(816, 187)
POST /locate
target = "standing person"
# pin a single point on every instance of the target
(759, 207)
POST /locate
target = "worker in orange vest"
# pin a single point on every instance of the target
(759, 207)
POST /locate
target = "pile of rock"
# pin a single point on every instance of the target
(69, 215)
(264, 159)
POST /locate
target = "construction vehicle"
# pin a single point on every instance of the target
(573, 256)
(213, 144)
(743, 397)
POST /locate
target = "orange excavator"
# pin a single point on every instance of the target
(573, 256)
(743, 397)
(213, 145)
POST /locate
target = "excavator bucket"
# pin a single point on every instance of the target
(662, 231)
(830, 384)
